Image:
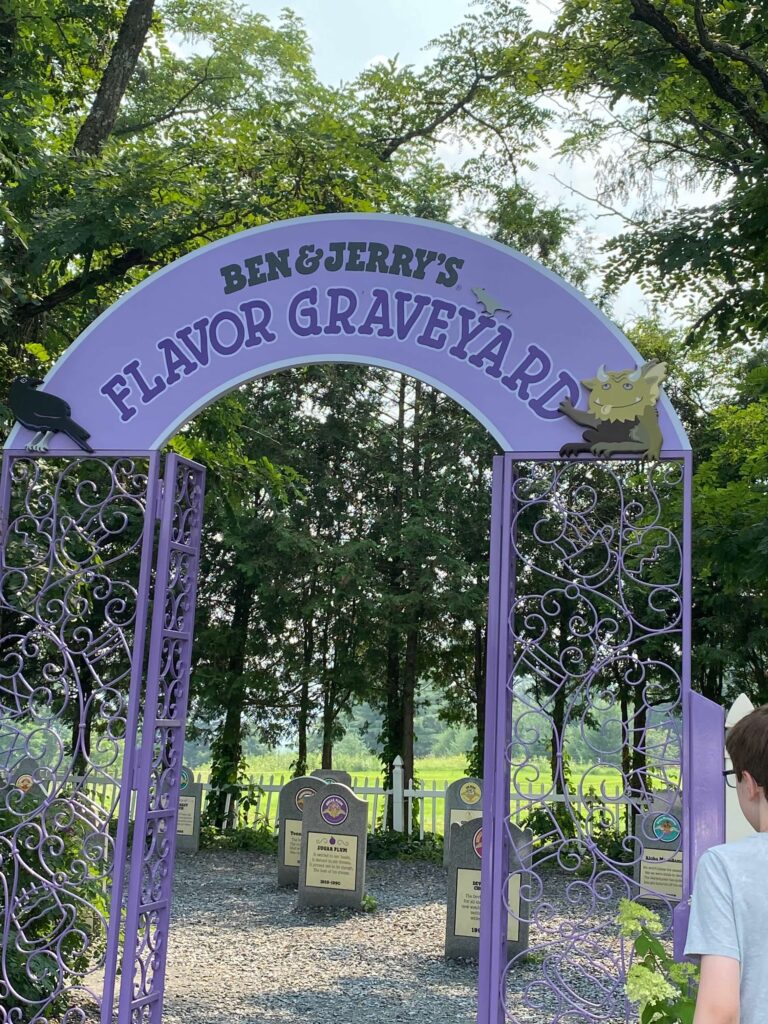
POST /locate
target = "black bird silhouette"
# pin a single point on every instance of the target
(46, 414)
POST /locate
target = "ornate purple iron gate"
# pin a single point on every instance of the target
(77, 550)
(590, 605)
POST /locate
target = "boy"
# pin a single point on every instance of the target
(728, 929)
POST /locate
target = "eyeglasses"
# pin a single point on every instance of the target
(730, 778)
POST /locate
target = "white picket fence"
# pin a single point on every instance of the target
(260, 794)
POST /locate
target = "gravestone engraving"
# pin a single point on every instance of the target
(659, 869)
(190, 807)
(290, 812)
(462, 928)
(463, 802)
(333, 848)
(333, 775)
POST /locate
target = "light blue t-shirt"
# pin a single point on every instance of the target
(729, 916)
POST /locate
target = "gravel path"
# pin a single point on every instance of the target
(241, 951)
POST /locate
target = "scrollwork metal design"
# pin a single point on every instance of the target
(595, 625)
(72, 546)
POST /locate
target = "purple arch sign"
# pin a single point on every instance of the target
(501, 335)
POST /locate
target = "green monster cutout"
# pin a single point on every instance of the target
(622, 418)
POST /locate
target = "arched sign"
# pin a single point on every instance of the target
(500, 334)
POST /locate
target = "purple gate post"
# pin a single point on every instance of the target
(162, 745)
(496, 782)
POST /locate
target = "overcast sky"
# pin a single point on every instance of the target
(347, 35)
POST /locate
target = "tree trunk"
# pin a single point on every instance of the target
(228, 746)
(98, 126)
(410, 674)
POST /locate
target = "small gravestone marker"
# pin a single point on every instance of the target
(190, 806)
(462, 929)
(290, 812)
(19, 780)
(332, 775)
(333, 848)
(463, 802)
(660, 832)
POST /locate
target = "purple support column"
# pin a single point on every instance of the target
(495, 782)
(703, 738)
(129, 751)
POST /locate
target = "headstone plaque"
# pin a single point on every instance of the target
(332, 775)
(190, 806)
(463, 802)
(290, 812)
(660, 832)
(462, 930)
(333, 848)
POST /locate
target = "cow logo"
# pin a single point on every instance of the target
(302, 795)
(334, 810)
(621, 416)
(477, 843)
(666, 828)
(470, 793)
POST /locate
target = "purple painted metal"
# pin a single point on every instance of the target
(704, 808)
(129, 752)
(595, 619)
(496, 783)
(73, 547)
(161, 754)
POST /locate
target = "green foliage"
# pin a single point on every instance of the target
(665, 991)
(258, 838)
(370, 904)
(46, 873)
(674, 91)
(390, 845)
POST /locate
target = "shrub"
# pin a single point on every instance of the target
(664, 991)
(390, 845)
(258, 838)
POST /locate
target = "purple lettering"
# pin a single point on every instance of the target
(493, 353)
(378, 316)
(302, 313)
(440, 309)
(564, 382)
(466, 316)
(257, 329)
(226, 316)
(338, 316)
(405, 324)
(522, 375)
(175, 360)
(148, 391)
(116, 391)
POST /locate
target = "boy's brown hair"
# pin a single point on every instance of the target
(747, 746)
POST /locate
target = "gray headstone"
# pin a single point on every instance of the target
(463, 802)
(333, 848)
(332, 775)
(290, 812)
(659, 869)
(190, 807)
(462, 929)
(20, 778)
